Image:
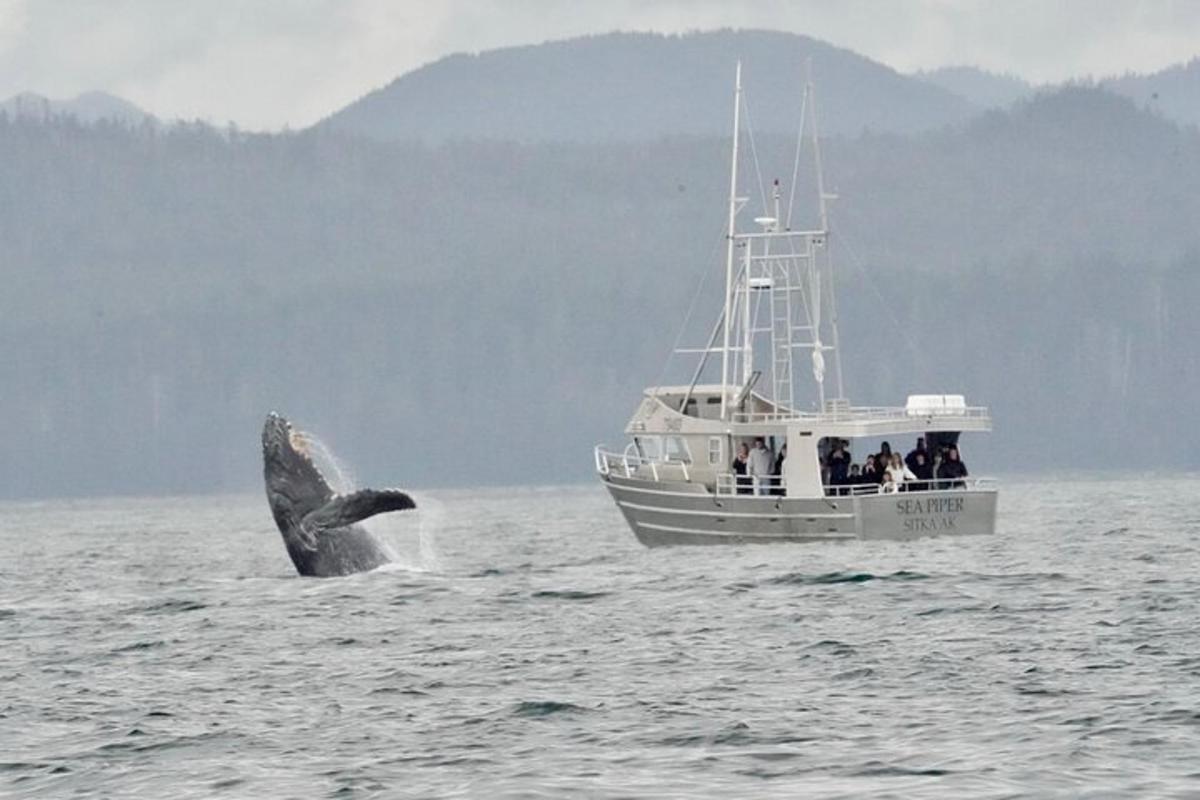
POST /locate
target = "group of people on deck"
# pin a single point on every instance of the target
(758, 470)
(886, 471)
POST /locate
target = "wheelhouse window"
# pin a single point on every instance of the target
(647, 447)
(714, 450)
(675, 449)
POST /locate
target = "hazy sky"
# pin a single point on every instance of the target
(267, 63)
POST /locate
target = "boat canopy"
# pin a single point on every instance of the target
(683, 409)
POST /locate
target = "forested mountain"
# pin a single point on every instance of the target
(1174, 91)
(628, 86)
(982, 88)
(485, 312)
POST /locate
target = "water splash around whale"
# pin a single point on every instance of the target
(409, 539)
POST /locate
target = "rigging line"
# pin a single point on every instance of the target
(703, 360)
(796, 163)
(833, 319)
(701, 284)
(857, 263)
(762, 189)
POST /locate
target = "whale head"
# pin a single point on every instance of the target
(295, 487)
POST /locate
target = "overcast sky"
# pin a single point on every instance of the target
(270, 63)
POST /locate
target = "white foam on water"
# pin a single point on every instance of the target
(410, 537)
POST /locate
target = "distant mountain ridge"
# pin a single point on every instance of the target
(631, 86)
(88, 108)
(979, 86)
(1174, 92)
(639, 86)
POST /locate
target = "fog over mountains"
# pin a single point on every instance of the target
(981, 88)
(88, 107)
(468, 309)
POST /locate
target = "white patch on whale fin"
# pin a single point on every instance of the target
(347, 509)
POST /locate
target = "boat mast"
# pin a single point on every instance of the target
(822, 198)
(729, 299)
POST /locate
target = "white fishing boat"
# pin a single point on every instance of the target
(680, 479)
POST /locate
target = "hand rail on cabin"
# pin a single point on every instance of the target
(601, 461)
(860, 413)
(630, 462)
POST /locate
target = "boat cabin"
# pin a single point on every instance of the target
(678, 435)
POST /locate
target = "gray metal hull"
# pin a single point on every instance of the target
(664, 513)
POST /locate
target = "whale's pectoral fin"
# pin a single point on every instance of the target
(307, 537)
(347, 509)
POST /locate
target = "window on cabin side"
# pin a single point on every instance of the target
(675, 449)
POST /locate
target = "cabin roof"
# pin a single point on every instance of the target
(918, 415)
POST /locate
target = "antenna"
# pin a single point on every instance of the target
(796, 161)
(733, 208)
(816, 145)
(823, 198)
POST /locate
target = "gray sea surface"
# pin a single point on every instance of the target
(525, 645)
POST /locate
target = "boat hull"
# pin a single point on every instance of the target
(664, 513)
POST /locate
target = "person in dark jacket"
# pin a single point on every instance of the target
(741, 469)
(922, 469)
(952, 470)
(870, 472)
(839, 465)
(777, 480)
(855, 479)
(911, 459)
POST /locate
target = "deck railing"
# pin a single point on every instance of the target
(631, 464)
(932, 485)
(728, 483)
(859, 414)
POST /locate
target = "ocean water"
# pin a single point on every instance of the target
(524, 645)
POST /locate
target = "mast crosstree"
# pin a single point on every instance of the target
(778, 287)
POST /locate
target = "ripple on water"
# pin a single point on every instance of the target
(834, 647)
(177, 606)
(139, 646)
(875, 769)
(567, 594)
(546, 708)
(803, 579)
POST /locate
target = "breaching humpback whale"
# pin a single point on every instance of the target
(318, 525)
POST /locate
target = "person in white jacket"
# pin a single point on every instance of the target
(900, 472)
(762, 466)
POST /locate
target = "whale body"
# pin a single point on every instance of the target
(319, 526)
